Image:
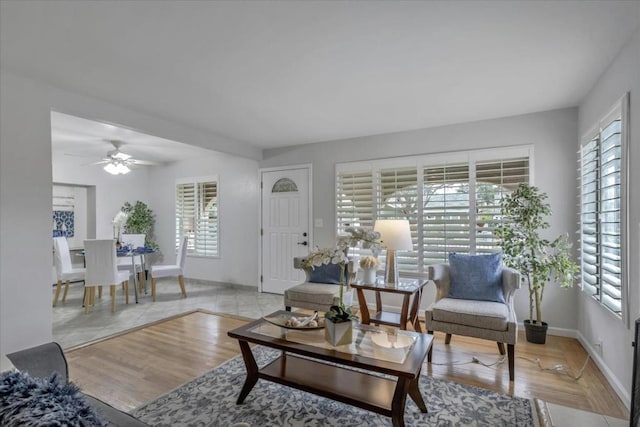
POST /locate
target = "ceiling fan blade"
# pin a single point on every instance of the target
(144, 162)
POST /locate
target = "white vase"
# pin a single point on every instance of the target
(369, 276)
(338, 333)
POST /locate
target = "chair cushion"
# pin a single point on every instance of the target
(479, 314)
(476, 277)
(165, 270)
(314, 293)
(326, 273)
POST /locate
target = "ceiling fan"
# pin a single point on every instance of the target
(116, 162)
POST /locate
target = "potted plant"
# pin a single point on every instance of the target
(139, 220)
(538, 260)
(369, 264)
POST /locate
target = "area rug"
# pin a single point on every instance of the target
(210, 400)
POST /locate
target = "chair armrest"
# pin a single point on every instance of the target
(510, 283)
(41, 361)
(439, 274)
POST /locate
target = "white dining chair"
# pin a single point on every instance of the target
(124, 263)
(64, 268)
(171, 270)
(102, 269)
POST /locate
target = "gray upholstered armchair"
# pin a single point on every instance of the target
(488, 320)
(318, 296)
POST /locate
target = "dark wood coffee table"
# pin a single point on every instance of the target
(398, 354)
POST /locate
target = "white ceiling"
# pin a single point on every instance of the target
(89, 141)
(278, 73)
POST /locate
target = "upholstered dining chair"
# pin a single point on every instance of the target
(321, 287)
(124, 263)
(171, 270)
(102, 269)
(64, 268)
(474, 298)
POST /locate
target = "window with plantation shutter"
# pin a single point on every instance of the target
(452, 201)
(197, 216)
(397, 198)
(445, 212)
(603, 210)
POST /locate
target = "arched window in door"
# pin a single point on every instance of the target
(284, 185)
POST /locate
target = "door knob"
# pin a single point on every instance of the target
(303, 243)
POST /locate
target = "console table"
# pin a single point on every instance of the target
(407, 288)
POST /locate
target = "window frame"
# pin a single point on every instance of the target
(421, 162)
(619, 110)
(196, 181)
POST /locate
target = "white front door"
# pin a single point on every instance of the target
(285, 226)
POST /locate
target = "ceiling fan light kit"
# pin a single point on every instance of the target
(116, 168)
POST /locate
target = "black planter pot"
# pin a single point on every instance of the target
(536, 332)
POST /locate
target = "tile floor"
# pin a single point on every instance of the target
(72, 327)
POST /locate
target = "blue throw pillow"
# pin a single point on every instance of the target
(327, 273)
(476, 277)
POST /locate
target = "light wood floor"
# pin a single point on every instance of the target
(130, 369)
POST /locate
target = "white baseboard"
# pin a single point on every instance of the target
(611, 378)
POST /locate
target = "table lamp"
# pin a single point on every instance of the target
(395, 235)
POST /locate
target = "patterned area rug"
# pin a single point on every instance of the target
(210, 400)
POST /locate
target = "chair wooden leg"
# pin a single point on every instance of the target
(447, 339)
(141, 282)
(58, 287)
(92, 295)
(501, 348)
(153, 289)
(181, 280)
(511, 354)
(430, 353)
(126, 291)
(87, 297)
(66, 289)
(112, 291)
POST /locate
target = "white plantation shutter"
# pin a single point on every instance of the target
(354, 200)
(197, 217)
(446, 212)
(494, 179)
(441, 196)
(397, 198)
(603, 210)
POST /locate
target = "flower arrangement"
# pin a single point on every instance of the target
(369, 262)
(118, 223)
(338, 255)
(368, 238)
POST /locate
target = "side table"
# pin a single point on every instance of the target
(407, 288)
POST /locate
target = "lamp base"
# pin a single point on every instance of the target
(391, 273)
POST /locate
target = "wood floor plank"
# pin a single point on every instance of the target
(130, 369)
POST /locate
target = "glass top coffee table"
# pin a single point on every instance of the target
(324, 369)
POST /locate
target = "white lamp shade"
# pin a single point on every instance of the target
(395, 234)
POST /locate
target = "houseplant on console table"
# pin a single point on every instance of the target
(538, 260)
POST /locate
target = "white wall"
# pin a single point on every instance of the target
(111, 191)
(239, 199)
(25, 214)
(26, 194)
(595, 323)
(553, 134)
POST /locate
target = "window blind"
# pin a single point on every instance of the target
(197, 217)
(397, 198)
(601, 241)
(452, 201)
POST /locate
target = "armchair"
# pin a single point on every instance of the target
(318, 296)
(490, 320)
